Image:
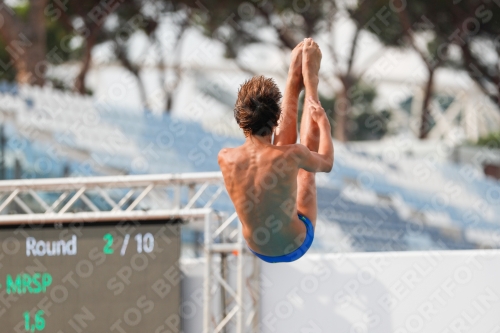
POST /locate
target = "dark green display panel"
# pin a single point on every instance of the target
(113, 277)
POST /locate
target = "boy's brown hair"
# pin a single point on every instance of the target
(257, 108)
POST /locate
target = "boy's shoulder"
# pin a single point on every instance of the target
(227, 154)
(234, 154)
(229, 151)
(223, 153)
(293, 149)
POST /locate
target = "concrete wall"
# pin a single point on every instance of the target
(400, 292)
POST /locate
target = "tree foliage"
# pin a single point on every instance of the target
(58, 31)
(365, 122)
(469, 27)
(492, 140)
(240, 23)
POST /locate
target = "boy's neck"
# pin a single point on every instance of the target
(262, 139)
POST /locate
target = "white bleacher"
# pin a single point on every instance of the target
(428, 198)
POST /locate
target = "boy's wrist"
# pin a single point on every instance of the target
(325, 122)
(294, 84)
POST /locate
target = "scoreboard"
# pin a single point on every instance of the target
(119, 277)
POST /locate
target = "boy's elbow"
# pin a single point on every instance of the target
(330, 161)
(329, 165)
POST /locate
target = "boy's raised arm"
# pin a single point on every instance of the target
(322, 161)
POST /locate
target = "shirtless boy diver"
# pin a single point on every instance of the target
(272, 184)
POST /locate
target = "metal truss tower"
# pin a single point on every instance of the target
(231, 278)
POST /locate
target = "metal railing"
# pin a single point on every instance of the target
(93, 199)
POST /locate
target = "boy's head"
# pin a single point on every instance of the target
(257, 108)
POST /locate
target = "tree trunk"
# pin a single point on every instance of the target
(87, 57)
(142, 91)
(426, 114)
(171, 88)
(31, 66)
(169, 102)
(170, 93)
(120, 53)
(341, 110)
(480, 74)
(26, 42)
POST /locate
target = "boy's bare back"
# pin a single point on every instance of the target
(261, 180)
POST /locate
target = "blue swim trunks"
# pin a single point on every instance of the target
(297, 253)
